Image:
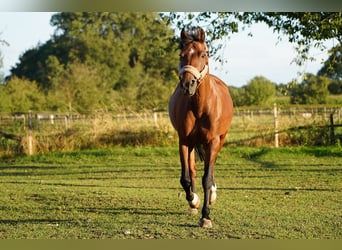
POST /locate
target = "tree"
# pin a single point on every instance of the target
(124, 49)
(332, 69)
(4, 99)
(335, 87)
(77, 88)
(152, 95)
(238, 96)
(20, 95)
(259, 91)
(2, 42)
(120, 42)
(305, 29)
(32, 63)
(312, 90)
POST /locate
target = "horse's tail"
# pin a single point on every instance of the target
(200, 151)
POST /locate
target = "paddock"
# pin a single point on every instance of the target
(134, 193)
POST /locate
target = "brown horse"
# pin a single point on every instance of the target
(201, 110)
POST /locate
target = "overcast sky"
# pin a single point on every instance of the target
(247, 57)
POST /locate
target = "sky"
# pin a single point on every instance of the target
(247, 57)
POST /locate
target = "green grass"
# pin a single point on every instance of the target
(134, 192)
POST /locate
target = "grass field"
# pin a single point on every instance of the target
(134, 192)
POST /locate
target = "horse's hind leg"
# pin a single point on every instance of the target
(188, 174)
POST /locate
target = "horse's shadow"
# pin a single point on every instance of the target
(130, 210)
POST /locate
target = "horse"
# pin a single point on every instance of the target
(201, 111)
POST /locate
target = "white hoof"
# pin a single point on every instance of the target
(193, 210)
(195, 202)
(205, 223)
(213, 195)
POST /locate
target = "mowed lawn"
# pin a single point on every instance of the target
(134, 193)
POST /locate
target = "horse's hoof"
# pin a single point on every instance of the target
(195, 203)
(205, 223)
(193, 210)
(213, 195)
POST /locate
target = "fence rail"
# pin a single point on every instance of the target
(250, 126)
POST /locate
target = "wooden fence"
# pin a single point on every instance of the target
(258, 125)
(280, 121)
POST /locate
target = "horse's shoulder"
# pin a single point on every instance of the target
(218, 83)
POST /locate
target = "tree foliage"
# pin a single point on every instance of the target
(332, 69)
(305, 29)
(258, 91)
(77, 88)
(102, 59)
(20, 94)
(2, 43)
(32, 63)
(312, 90)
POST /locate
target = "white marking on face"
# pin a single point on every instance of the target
(191, 51)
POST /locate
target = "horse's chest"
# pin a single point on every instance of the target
(197, 127)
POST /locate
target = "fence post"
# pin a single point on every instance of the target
(67, 119)
(29, 134)
(155, 119)
(52, 119)
(275, 114)
(332, 128)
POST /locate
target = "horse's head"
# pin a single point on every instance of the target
(194, 57)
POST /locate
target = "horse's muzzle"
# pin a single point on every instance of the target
(189, 87)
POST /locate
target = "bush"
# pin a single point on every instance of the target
(313, 135)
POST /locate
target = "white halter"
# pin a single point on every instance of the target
(199, 75)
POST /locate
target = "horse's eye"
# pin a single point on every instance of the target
(203, 55)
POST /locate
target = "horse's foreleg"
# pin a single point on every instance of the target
(207, 183)
(209, 187)
(193, 170)
(186, 158)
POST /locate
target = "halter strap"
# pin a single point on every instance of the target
(197, 74)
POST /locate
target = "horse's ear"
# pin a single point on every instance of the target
(184, 35)
(201, 35)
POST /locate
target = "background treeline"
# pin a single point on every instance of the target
(128, 61)
(96, 61)
(313, 89)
